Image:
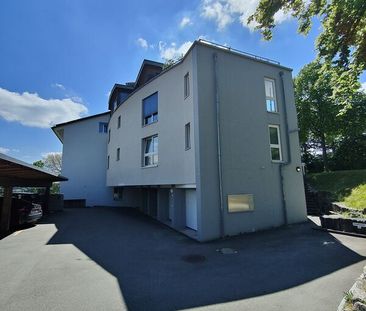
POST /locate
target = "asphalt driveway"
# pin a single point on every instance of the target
(117, 259)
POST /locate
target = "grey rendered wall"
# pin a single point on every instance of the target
(246, 163)
(293, 185)
(176, 165)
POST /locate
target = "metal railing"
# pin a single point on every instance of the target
(228, 48)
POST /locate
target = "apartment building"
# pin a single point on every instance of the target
(208, 146)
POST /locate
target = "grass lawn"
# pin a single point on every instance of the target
(345, 186)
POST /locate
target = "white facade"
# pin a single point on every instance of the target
(84, 161)
(211, 146)
(176, 165)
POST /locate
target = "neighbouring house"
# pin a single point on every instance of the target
(208, 146)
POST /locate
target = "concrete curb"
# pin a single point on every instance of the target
(357, 290)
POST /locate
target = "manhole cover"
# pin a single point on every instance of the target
(194, 258)
(227, 251)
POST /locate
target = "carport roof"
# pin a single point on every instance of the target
(14, 172)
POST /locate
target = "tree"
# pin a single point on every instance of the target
(317, 111)
(39, 163)
(53, 162)
(323, 123)
(172, 61)
(341, 45)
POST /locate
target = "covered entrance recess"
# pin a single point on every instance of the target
(191, 209)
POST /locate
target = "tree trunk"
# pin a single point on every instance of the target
(324, 153)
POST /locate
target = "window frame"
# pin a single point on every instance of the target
(150, 154)
(118, 155)
(108, 160)
(187, 90)
(276, 146)
(119, 122)
(103, 127)
(154, 116)
(109, 136)
(274, 98)
(187, 136)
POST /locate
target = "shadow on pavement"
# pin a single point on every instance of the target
(150, 260)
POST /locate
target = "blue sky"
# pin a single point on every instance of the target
(59, 59)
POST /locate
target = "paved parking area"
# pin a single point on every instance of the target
(118, 259)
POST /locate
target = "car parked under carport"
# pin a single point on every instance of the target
(16, 173)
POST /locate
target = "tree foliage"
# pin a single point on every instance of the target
(341, 45)
(39, 163)
(52, 162)
(317, 112)
(172, 61)
(323, 125)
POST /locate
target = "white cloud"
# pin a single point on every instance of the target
(58, 86)
(363, 87)
(76, 99)
(4, 150)
(172, 51)
(142, 42)
(31, 110)
(225, 12)
(217, 11)
(186, 21)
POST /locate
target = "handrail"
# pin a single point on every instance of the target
(265, 59)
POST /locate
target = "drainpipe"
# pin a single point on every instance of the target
(217, 104)
(282, 165)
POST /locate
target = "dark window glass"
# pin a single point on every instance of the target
(273, 135)
(150, 109)
(275, 153)
(188, 135)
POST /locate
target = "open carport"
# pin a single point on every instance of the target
(16, 173)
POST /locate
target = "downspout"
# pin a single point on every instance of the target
(282, 165)
(217, 103)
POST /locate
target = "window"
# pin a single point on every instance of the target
(240, 203)
(118, 153)
(188, 136)
(109, 135)
(108, 162)
(275, 142)
(103, 127)
(269, 86)
(186, 85)
(119, 122)
(150, 109)
(150, 151)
